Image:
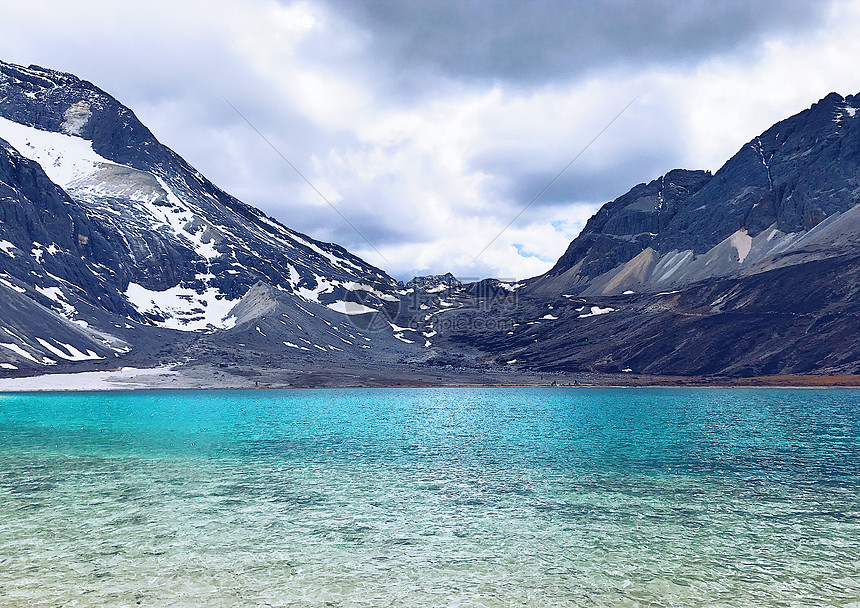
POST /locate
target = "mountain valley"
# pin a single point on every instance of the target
(115, 252)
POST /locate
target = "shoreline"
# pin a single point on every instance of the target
(180, 377)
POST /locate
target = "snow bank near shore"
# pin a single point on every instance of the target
(122, 379)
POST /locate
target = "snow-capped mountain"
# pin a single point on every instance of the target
(110, 230)
(115, 251)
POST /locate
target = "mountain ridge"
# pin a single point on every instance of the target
(798, 173)
(157, 244)
(115, 251)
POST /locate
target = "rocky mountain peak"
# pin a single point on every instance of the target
(798, 173)
(434, 282)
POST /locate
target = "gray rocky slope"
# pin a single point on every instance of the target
(113, 248)
(114, 251)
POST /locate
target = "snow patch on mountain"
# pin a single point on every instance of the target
(596, 311)
(64, 158)
(178, 216)
(72, 354)
(23, 353)
(848, 111)
(183, 308)
(19, 351)
(350, 308)
(322, 285)
(12, 286)
(355, 286)
(56, 294)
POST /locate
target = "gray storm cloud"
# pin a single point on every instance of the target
(550, 40)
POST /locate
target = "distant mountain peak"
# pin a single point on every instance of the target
(434, 282)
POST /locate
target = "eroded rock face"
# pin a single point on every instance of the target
(777, 188)
(623, 228)
(76, 118)
(434, 282)
(53, 239)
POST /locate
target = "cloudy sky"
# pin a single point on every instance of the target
(431, 124)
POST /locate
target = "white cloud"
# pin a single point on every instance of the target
(433, 175)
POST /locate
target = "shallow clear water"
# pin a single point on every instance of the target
(436, 497)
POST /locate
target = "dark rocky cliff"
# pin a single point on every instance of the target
(800, 172)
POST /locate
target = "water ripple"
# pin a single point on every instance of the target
(431, 497)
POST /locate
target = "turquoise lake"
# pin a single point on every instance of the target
(431, 497)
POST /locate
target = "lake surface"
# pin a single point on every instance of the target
(431, 497)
